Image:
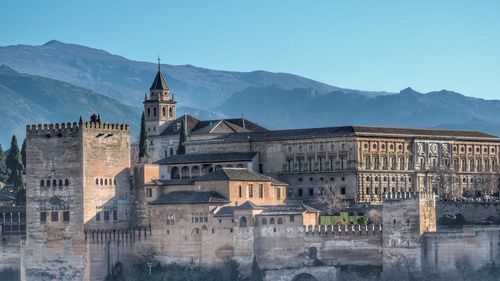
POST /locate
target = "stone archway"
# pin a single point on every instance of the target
(304, 277)
(196, 242)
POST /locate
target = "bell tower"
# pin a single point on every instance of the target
(159, 108)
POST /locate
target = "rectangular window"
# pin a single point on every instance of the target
(250, 190)
(342, 191)
(240, 191)
(98, 216)
(66, 216)
(115, 215)
(54, 216)
(149, 192)
(301, 192)
(106, 215)
(43, 216)
(311, 191)
(292, 218)
(261, 191)
(278, 193)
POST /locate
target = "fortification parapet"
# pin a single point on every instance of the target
(400, 196)
(96, 236)
(105, 127)
(343, 230)
(52, 130)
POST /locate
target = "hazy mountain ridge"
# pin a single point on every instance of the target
(127, 80)
(276, 100)
(300, 108)
(29, 99)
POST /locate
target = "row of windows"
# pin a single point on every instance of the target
(312, 192)
(54, 182)
(320, 179)
(163, 111)
(103, 181)
(199, 217)
(106, 214)
(54, 216)
(250, 191)
(300, 165)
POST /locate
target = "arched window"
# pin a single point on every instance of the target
(170, 219)
(105, 181)
(42, 183)
(149, 112)
(154, 111)
(102, 181)
(54, 182)
(171, 151)
(170, 112)
(271, 221)
(174, 173)
(280, 221)
(264, 221)
(97, 181)
(60, 182)
(48, 182)
(66, 182)
(243, 222)
(164, 112)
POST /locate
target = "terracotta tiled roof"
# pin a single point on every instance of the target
(190, 197)
(237, 174)
(207, 158)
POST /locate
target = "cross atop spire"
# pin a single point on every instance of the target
(158, 58)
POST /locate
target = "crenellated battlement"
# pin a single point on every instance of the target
(343, 230)
(49, 130)
(95, 126)
(399, 196)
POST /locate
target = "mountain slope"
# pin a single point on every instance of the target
(300, 108)
(127, 80)
(27, 99)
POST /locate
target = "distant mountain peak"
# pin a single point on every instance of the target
(53, 42)
(408, 90)
(5, 69)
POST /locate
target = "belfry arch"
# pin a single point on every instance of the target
(304, 277)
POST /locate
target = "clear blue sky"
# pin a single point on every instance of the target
(369, 45)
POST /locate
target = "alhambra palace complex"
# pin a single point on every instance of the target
(230, 188)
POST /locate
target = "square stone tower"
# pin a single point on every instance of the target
(77, 178)
(406, 216)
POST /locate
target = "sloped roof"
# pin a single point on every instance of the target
(287, 209)
(218, 126)
(207, 158)
(237, 174)
(226, 211)
(159, 82)
(190, 197)
(347, 131)
(248, 205)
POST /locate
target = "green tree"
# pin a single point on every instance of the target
(4, 171)
(23, 153)
(257, 274)
(143, 138)
(230, 270)
(15, 164)
(182, 138)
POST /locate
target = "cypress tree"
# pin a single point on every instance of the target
(182, 138)
(143, 138)
(23, 153)
(257, 274)
(15, 164)
(4, 171)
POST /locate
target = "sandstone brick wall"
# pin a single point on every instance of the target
(481, 245)
(472, 211)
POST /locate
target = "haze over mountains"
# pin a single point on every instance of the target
(58, 82)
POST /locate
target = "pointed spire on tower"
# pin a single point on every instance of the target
(159, 82)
